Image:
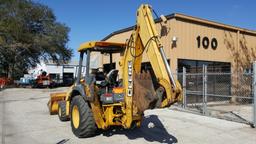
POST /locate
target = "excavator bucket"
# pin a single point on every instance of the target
(54, 100)
(144, 93)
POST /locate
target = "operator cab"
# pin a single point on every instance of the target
(106, 79)
(103, 79)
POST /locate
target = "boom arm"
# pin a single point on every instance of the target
(145, 40)
(147, 34)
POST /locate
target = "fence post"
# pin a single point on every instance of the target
(254, 93)
(184, 87)
(204, 90)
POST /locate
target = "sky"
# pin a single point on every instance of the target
(94, 19)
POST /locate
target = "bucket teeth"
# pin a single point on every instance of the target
(144, 93)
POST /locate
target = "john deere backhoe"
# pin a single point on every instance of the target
(99, 101)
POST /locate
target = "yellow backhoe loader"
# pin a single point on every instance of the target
(99, 101)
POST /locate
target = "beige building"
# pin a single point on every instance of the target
(193, 42)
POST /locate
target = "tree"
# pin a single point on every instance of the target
(29, 33)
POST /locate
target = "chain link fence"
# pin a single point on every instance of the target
(227, 96)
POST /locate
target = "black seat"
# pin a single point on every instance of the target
(100, 76)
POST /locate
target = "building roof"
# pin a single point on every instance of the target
(192, 19)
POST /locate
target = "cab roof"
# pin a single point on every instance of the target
(102, 46)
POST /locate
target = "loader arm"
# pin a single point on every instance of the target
(145, 40)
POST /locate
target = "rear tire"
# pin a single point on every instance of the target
(62, 111)
(82, 121)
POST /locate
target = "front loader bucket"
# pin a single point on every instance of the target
(54, 100)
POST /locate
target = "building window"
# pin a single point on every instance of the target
(194, 82)
(196, 66)
(68, 79)
(55, 76)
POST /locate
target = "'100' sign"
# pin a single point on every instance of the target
(206, 43)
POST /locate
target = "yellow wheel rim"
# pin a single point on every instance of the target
(59, 111)
(75, 116)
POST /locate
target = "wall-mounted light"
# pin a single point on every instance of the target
(174, 41)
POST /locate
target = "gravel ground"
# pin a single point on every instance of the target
(24, 119)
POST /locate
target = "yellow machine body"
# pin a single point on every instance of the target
(143, 41)
(53, 102)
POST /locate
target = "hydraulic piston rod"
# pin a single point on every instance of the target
(167, 67)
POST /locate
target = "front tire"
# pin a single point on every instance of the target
(82, 121)
(62, 111)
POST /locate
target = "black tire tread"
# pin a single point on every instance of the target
(87, 127)
(62, 106)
